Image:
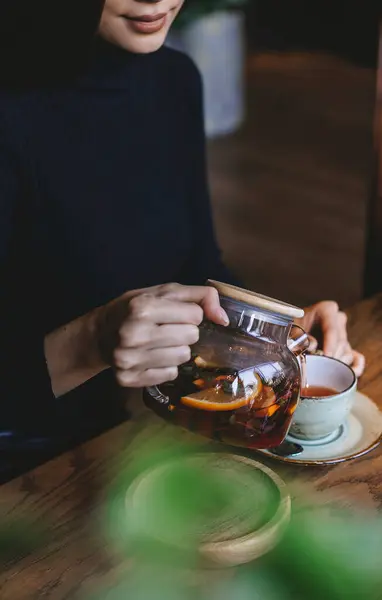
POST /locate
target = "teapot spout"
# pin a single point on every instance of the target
(298, 341)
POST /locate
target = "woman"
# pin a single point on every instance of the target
(104, 204)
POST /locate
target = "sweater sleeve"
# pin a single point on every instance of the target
(206, 262)
(25, 387)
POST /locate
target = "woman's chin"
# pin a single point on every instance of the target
(152, 43)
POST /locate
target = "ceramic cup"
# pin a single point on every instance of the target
(319, 419)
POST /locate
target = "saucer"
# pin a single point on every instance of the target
(361, 434)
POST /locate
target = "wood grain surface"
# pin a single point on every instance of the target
(62, 498)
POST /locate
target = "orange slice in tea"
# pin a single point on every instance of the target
(215, 399)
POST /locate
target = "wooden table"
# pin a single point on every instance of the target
(66, 493)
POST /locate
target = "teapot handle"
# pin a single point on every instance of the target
(157, 395)
(298, 342)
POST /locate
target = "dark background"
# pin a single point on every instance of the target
(347, 28)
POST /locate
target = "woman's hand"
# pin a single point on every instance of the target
(146, 334)
(143, 335)
(333, 324)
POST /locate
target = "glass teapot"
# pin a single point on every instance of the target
(242, 384)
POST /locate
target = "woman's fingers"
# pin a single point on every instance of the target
(342, 346)
(333, 323)
(331, 327)
(136, 379)
(150, 309)
(143, 367)
(343, 350)
(149, 335)
(313, 344)
(345, 354)
(354, 359)
(158, 358)
(359, 363)
(204, 296)
(165, 336)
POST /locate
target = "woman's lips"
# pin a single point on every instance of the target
(147, 23)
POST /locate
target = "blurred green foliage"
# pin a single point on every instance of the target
(336, 557)
(324, 555)
(331, 556)
(320, 558)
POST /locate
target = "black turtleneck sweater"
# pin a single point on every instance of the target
(102, 190)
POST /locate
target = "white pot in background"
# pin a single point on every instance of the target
(216, 44)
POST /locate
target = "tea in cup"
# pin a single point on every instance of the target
(326, 401)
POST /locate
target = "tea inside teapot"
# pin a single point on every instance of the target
(242, 384)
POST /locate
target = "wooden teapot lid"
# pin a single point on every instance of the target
(249, 526)
(257, 300)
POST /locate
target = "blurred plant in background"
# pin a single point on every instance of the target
(321, 556)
